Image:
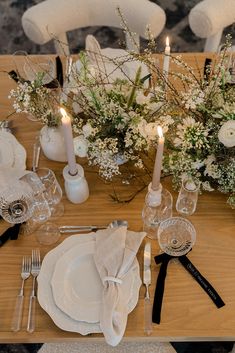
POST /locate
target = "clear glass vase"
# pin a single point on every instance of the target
(158, 207)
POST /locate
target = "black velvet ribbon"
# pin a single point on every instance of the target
(164, 259)
(11, 233)
(55, 83)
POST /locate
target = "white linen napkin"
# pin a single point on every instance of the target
(115, 252)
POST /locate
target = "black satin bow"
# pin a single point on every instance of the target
(164, 259)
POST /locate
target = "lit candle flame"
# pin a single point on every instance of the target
(63, 112)
(159, 131)
(167, 42)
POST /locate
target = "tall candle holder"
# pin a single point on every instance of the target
(76, 186)
(158, 207)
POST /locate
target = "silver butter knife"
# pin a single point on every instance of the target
(147, 282)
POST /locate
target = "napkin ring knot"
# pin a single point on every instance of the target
(112, 279)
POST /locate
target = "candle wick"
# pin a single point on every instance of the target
(74, 173)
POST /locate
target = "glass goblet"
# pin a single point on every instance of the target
(176, 236)
(16, 202)
(53, 191)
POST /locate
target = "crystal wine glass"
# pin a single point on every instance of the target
(176, 236)
(16, 202)
(53, 191)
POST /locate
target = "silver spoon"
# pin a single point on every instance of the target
(78, 229)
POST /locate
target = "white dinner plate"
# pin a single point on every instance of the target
(76, 284)
(18, 159)
(45, 295)
(6, 153)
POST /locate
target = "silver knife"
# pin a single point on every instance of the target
(147, 282)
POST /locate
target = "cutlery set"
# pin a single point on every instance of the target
(30, 266)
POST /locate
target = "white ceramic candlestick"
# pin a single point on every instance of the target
(158, 161)
(68, 138)
(76, 186)
(166, 62)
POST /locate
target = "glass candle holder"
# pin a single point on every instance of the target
(158, 207)
(187, 199)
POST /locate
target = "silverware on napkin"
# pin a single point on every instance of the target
(147, 282)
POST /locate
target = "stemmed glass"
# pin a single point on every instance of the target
(176, 236)
(16, 202)
(49, 233)
(52, 191)
(47, 195)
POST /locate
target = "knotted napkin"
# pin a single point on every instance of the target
(115, 252)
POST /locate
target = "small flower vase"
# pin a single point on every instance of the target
(52, 143)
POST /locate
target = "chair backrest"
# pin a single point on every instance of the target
(51, 19)
(209, 18)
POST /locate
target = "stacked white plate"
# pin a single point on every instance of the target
(12, 153)
(70, 288)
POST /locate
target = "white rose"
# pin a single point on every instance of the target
(80, 146)
(226, 133)
(87, 130)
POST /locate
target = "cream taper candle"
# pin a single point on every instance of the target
(158, 160)
(68, 138)
(166, 62)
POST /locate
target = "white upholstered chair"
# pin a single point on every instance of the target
(51, 19)
(209, 18)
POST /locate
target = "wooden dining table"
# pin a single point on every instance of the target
(188, 314)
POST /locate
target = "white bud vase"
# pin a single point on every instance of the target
(52, 143)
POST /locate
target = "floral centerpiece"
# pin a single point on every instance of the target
(201, 142)
(115, 115)
(119, 118)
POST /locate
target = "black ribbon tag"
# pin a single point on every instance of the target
(164, 259)
(11, 233)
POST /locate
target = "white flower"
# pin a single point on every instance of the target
(80, 146)
(142, 99)
(87, 130)
(226, 133)
(151, 130)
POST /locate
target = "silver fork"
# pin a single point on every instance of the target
(17, 316)
(36, 266)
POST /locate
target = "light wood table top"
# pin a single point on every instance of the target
(187, 313)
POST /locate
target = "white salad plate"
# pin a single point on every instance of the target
(18, 153)
(45, 292)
